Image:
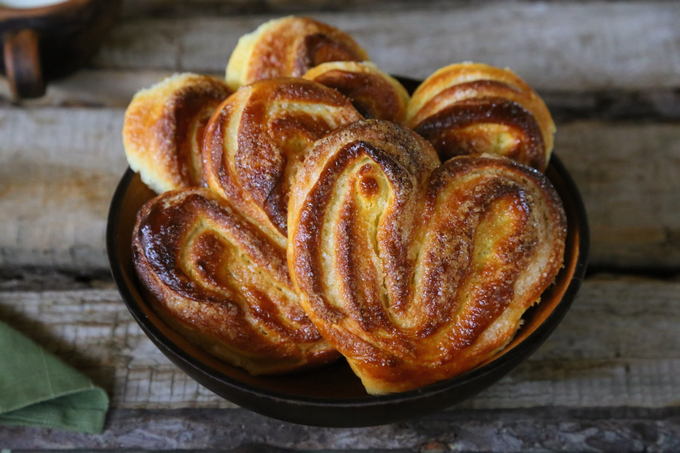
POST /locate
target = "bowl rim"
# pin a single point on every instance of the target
(505, 361)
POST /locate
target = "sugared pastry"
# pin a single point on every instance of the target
(288, 47)
(374, 93)
(163, 129)
(223, 284)
(473, 108)
(259, 136)
(417, 271)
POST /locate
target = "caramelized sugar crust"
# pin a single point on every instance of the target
(288, 47)
(257, 139)
(472, 108)
(163, 129)
(415, 270)
(223, 283)
(374, 93)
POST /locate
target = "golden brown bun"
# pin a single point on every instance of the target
(413, 270)
(223, 283)
(288, 47)
(472, 108)
(374, 93)
(257, 138)
(163, 129)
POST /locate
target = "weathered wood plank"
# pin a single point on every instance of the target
(601, 355)
(91, 88)
(240, 431)
(207, 8)
(115, 88)
(563, 46)
(203, 8)
(628, 177)
(59, 167)
(198, 8)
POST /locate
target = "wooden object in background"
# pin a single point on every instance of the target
(51, 41)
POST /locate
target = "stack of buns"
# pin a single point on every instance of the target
(308, 209)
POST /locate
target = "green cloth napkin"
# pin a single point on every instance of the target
(38, 389)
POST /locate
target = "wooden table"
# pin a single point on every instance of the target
(608, 378)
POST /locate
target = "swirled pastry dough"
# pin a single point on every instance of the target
(288, 47)
(257, 139)
(374, 93)
(163, 129)
(473, 108)
(414, 270)
(223, 283)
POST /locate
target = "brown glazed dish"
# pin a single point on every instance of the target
(332, 395)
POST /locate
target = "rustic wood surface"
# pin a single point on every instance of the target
(608, 379)
(581, 365)
(76, 160)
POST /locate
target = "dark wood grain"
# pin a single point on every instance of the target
(602, 354)
(602, 429)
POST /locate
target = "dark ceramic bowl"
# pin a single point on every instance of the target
(332, 395)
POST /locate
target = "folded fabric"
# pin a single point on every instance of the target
(38, 389)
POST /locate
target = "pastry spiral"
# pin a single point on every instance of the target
(163, 129)
(413, 270)
(288, 47)
(374, 93)
(472, 108)
(223, 283)
(257, 139)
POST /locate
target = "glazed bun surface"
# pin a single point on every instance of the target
(417, 271)
(223, 284)
(375, 94)
(258, 138)
(288, 47)
(473, 108)
(163, 129)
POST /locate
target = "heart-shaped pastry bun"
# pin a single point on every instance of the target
(288, 47)
(374, 93)
(258, 138)
(474, 108)
(163, 129)
(414, 270)
(223, 284)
